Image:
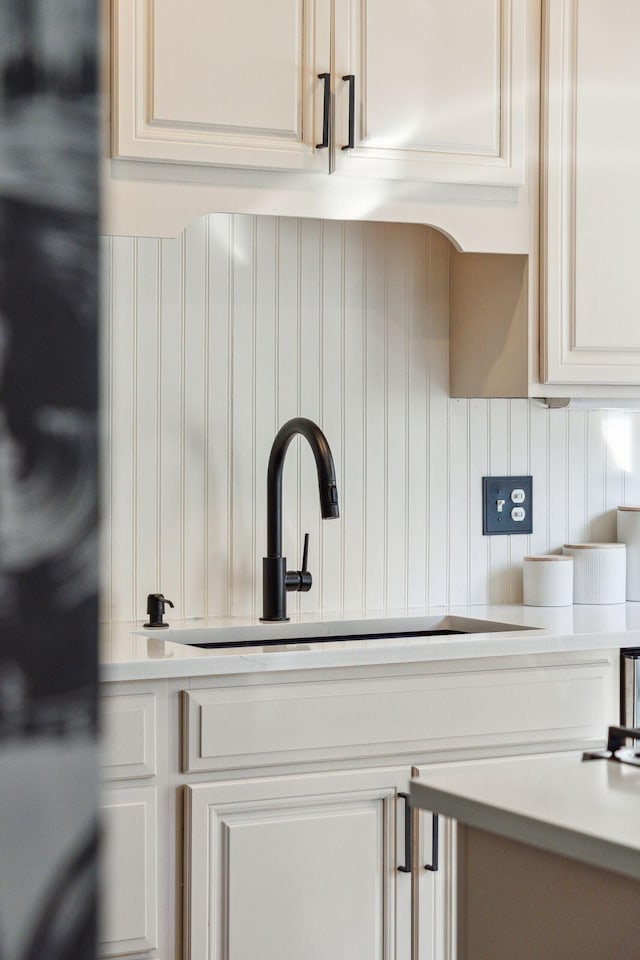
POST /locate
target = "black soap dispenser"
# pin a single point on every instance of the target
(156, 603)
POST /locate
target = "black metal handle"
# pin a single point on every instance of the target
(300, 580)
(306, 580)
(325, 110)
(433, 866)
(406, 868)
(351, 80)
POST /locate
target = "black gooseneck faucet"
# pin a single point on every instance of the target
(276, 580)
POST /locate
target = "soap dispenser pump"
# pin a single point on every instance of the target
(156, 603)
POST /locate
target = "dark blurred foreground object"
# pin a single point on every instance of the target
(48, 478)
(65, 928)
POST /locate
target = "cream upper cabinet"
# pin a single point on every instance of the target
(232, 83)
(242, 106)
(577, 333)
(591, 203)
(437, 89)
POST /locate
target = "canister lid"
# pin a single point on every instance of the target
(551, 556)
(630, 509)
(594, 546)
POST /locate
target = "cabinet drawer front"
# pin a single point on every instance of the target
(129, 736)
(239, 727)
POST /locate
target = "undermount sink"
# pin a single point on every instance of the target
(335, 631)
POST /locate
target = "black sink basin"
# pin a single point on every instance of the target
(221, 644)
(313, 634)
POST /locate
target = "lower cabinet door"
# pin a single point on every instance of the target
(435, 879)
(129, 884)
(286, 868)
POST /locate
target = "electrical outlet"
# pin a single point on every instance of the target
(507, 505)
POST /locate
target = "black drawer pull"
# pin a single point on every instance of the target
(351, 80)
(433, 866)
(406, 868)
(325, 110)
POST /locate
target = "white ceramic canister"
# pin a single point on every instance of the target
(629, 534)
(547, 581)
(599, 572)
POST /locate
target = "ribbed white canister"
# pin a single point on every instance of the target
(599, 572)
(547, 581)
(629, 534)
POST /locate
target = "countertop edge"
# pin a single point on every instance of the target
(316, 660)
(127, 654)
(595, 851)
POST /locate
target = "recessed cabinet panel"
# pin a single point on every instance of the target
(231, 83)
(591, 296)
(297, 867)
(607, 194)
(129, 736)
(234, 80)
(439, 89)
(303, 848)
(129, 891)
(233, 727)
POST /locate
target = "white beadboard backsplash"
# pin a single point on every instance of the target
(213, 340)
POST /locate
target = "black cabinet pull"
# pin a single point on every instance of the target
(433, 866)
(351, 80)
(325, 110)
(407, 834)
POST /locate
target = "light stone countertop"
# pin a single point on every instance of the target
(587, 811)
(129, 652)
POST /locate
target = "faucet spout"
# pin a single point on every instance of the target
(276, 581)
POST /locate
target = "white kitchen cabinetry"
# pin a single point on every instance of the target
(577, 334)
(283, 790)
(133, 817)
(439, 89)
(230, 99)
(298, 866)
(129, 822)
(129, 904)
(591, 199)
(231, 83)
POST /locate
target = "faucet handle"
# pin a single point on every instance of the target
(300, 580)
(306, 579)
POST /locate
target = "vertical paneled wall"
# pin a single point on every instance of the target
(213, 340)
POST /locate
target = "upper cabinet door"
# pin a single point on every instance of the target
(232, 83)
(439, 89)
(591, 199)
